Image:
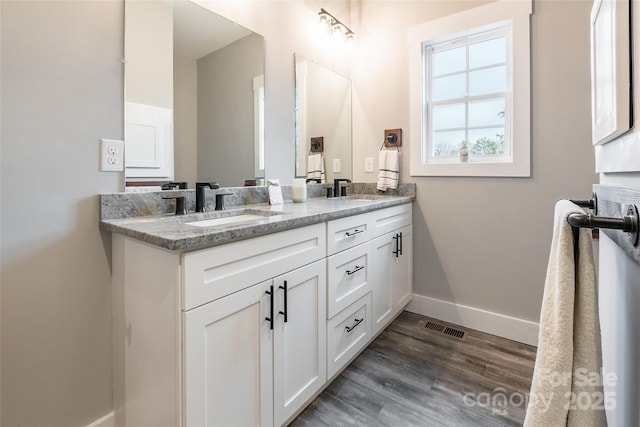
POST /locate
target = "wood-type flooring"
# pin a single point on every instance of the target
(414, 376)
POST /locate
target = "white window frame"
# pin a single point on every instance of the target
(465, 40)
(517, 14)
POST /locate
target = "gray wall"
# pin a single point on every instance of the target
(185, 119)
(61, 92)
(225, 111)
(483, 242)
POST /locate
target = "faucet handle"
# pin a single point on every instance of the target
(182, 185)
(181, 208)
(220, 200)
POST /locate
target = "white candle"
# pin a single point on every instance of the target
(299, 190)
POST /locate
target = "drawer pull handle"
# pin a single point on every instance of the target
(270, 319)
(284, 313)
(358, 268)
(353, 233)
(400, 238)
(352, 327)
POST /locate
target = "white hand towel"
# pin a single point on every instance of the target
(388, 170)
(315, 167)
(569, 348)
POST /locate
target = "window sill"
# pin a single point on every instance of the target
(471, 169)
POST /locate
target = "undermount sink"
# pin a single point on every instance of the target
(232, 217)
(362, 198)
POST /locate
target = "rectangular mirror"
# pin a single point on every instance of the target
(323, 116)
(194, 96)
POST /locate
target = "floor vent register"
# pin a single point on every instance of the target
(446, 330)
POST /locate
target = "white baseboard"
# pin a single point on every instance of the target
(474, 318)
(106, 421)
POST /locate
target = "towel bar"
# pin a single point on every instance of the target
(591, 203)
(628, 223)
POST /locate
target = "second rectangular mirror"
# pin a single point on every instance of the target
(323, 110)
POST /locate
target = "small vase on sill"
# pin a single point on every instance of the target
(463, 153)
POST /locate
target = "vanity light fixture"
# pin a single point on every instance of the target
(332, 25)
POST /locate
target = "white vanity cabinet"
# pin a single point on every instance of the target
(256, 356)
(246, 333)
(369, 279)
(392, 253)
(200, 338)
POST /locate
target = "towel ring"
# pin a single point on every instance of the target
(383, 145)
(628, 223)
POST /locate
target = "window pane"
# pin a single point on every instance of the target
(487, 142)
(447, 144)
(487, 53)
(449, 61)
(486, 113)
(489, 80)
(449, 87)
(448, 116)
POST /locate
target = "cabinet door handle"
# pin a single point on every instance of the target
(284, 313)
(353, 233)
(270, 318)
(358, 268)
(397, 251)
(352, 327)
(400, 238)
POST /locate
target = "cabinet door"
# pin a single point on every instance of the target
(300, 353)
(381, 292)
(228, 361)
(392, 277)
(402, 291)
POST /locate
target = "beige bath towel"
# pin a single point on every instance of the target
(566, 387)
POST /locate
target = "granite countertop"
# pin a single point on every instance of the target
(173, 233)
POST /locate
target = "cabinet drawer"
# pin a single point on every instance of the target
(390, 219)
(347, 333)
(349, 277)
(213, 273)
(345, 233)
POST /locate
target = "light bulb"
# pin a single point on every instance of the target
(325, 22)
(337, 29)
(349, 36)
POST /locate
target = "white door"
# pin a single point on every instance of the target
(228, 361)
(300, 353)
(618, 275)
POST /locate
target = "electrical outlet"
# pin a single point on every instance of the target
(111, 155)
(368, 164)
(336, 165)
